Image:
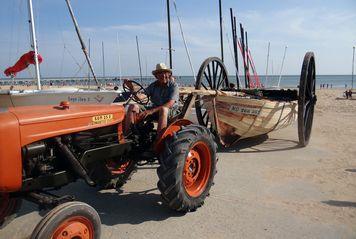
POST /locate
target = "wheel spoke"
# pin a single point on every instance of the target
(221, 75)
(215, 70)
(208, 80)
(223, 80)
(307, 103)
(205, 113)
(204, 85)
(209, 72)
(306, 116)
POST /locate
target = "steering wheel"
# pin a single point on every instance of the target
(137, 91)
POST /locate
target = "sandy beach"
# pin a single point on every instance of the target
(265, 188)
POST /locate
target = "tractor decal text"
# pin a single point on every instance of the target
(102, 119)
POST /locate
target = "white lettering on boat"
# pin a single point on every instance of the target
(76, 99)
(244, 110)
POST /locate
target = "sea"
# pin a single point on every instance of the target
(287, 81)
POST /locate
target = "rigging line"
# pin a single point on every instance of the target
(184, 41)
(79, 70)
(61, 66)
(37, 20)
(11, 9)
(19, 28)
(76, 62)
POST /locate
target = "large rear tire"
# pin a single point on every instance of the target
(187, 168)
(69, 220)
(9, 206)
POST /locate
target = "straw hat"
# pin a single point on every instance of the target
(161, 67)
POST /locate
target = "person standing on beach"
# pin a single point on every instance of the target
(164, 95)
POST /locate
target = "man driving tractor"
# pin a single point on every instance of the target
(164, 96)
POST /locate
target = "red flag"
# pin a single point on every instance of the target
(24, 61)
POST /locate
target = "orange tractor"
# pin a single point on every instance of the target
(46, 147)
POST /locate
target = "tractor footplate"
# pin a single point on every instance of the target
(47, 200)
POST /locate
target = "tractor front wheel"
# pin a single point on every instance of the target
(69, 220)
(187, 168)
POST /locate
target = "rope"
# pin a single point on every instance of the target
(184, 41)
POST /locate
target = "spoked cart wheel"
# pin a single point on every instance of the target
(72, 220)
(187, 168)
(306, 99)
(212, 75)
(8, 208)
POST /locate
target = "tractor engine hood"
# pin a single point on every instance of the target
(45, 121)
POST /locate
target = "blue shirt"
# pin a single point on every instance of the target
(161, 94)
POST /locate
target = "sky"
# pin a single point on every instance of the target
(328, 28)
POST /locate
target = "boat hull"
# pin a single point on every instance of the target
(54, 97)
(236, 118)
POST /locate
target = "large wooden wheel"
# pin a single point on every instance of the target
(212, 75)
(306, 99)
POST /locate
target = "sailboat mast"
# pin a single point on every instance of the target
(118, 53)
(221, 32)
(34, 43)
(280, 73)
(234, 40)
(268, 49)
(139, 58)
(353, 66)
(169, 35)
(81, 41)
(103, 54)
(88, 66)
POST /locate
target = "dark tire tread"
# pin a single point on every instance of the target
(172, 161)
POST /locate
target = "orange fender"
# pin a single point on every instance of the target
(168, 132)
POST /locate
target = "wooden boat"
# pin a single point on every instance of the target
(239, 117)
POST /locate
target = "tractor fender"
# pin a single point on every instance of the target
(10, 153)
(174, 127)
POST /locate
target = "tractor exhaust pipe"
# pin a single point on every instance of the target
(78, 168)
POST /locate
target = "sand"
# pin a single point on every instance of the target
(265, 188)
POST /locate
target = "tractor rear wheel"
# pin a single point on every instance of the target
(8, 208)
(187, 168)
(69, 220)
